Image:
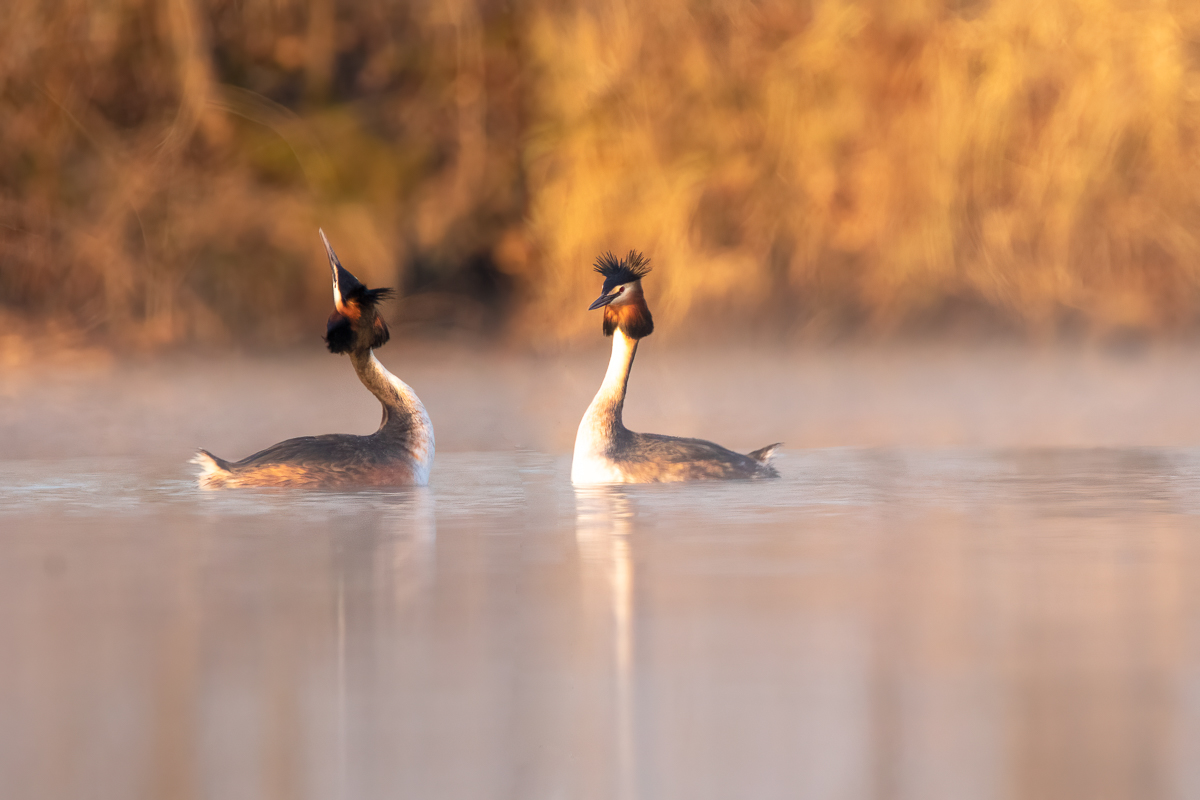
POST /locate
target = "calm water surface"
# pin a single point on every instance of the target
(881, 623)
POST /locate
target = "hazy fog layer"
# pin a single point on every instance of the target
(929, 396)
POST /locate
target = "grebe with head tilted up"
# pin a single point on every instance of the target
(400, 453)
(608, 452)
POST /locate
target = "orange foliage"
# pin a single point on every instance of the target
(819, 168)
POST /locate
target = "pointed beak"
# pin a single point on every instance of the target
(343, 281)
(334, 265)
(602, 301)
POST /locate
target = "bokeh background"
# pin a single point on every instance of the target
(807, 171)
(947, 251)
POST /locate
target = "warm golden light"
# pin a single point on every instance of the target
(816, 168)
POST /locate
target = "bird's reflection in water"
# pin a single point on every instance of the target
(381, 575)
(603, 532)
(411, 547)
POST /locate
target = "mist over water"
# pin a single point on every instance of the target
(898, 618)
(975, 579)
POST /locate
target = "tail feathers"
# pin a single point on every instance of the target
(210, 466)
(764, 454)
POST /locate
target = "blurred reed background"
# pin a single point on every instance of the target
(801, 170)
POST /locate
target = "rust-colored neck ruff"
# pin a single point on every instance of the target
(633, 319)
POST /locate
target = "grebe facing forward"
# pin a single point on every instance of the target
(605, 450)
(400, 453)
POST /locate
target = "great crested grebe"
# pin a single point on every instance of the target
(608, 452)
(400, 453)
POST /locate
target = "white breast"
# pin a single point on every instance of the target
(590, 463)
(592, 470)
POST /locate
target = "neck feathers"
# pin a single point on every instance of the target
(357, 331)
(603, 419)
(403, 412)
(632, 319)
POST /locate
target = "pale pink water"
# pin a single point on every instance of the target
(972, 601)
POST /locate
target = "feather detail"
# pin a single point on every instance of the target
(618, 271)
(634, 320)
(763, 455)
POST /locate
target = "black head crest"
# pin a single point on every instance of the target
(369, 298)
(617, 272)
(353, 323)
(346, 287)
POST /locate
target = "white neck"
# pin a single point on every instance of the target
(404, 415)
(602, 422)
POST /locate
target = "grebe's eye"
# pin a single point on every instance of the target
(620, 289)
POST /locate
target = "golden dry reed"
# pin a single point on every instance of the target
(806, 169)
